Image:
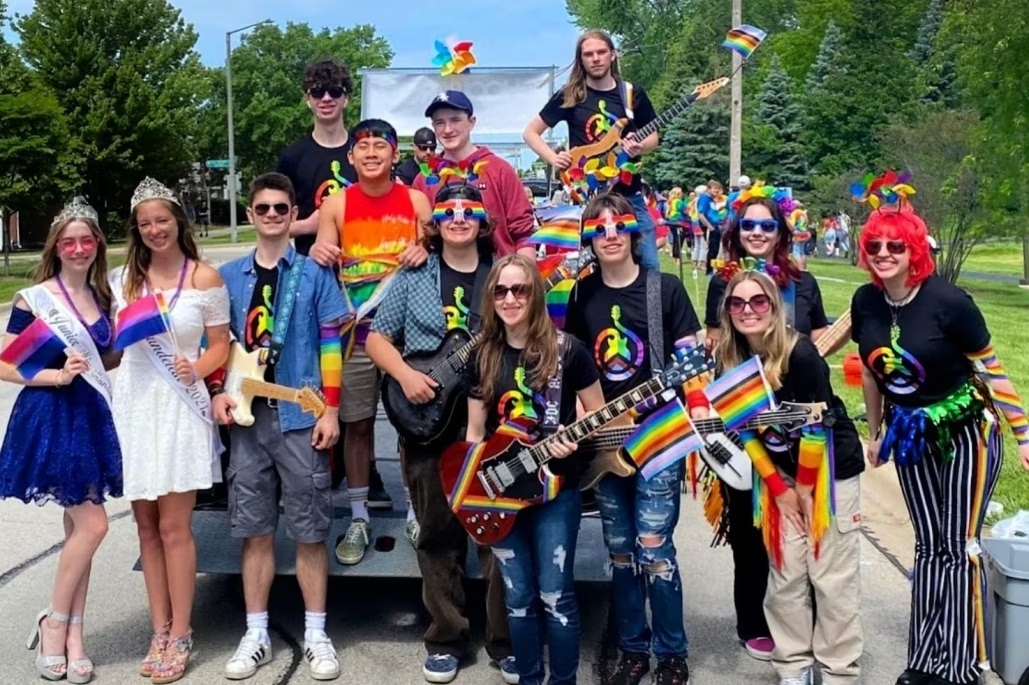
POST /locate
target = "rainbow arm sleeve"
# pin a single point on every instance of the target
(1004, 394)
(812, 456)
(763, 463)
(330, 363)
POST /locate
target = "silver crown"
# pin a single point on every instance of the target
(150, 189)
(78, 208)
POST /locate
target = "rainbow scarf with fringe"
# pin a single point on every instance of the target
(816, 446)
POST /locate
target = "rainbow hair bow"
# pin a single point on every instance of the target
(889, 188)
(729, 269)
(609, 226)
(437, 169)
(780, 196)
(470, 209)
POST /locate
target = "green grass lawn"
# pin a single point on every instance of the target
(996, 258)
(1004, 307)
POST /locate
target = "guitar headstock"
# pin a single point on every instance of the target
(310, 401)
(705, 90)
(686, 364)
(807, 414)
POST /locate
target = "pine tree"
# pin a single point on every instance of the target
(694, 148)
(935, 61)
(778, 150)
(827, 62)
(924, 47)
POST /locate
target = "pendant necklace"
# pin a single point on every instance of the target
(895, 307)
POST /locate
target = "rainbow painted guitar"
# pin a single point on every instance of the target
(488, 483)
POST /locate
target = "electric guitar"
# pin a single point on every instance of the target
(839, 330)
(488, 483)
(429, 422)
(244, 380)
(722, 453)
(611, 143)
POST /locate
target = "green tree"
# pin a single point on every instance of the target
(14, 76)
(267, 89)
(827, 62)
(127, 74)
(774, 148)
(936, 61)
(693, 149)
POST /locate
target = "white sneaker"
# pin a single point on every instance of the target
(251, 654)
(322, 659)
(805, 678)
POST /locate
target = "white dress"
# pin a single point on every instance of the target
(166, 447)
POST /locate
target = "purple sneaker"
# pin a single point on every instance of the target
(760, 648)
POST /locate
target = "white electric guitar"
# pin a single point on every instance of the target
(244, 380)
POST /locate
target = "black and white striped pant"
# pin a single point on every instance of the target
(947, 504)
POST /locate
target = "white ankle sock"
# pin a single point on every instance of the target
(258, 623)
(358, 502)
(314, 626)
(410, 506)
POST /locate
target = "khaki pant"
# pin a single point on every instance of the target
(836, 640)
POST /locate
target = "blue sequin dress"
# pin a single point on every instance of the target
(61, 444)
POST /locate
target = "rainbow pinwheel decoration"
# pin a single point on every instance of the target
(594, 173)
(729, 269)
(781, 196)
(454, 58)
(889, 188)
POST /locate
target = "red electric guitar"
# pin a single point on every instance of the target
(488, 483)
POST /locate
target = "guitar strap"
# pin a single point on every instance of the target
(627, 101)
(475, 307)
(552, 396)
(287, 298)
(655, 322)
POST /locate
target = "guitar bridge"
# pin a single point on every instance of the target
(487, 485)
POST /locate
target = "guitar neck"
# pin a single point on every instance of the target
(839, 329)
(664, 119)
(252, 386)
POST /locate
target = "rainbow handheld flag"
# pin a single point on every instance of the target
(144, 318)
(557, 301)
(744, 40)
(33, 349)
(664, 438)
(560, 236)
(740, 394)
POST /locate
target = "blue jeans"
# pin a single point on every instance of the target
(537, 561)
(648, 246)
(631, 510)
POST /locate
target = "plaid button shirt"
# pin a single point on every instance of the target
(411, 314)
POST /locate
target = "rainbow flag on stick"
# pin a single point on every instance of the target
(33, 349)
(740, 394)
(144, 318)
(744, 40)
(561, 235)
(664, 438)
(557, 302)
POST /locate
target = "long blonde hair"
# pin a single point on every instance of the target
(540, 354)
(137, 258)
(574, 91)
(96, 277)
(779, 340)
(674, 194)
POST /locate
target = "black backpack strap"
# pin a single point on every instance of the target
(552, 394)
(655, 321)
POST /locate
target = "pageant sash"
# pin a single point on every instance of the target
(72, 333)
(161, 353)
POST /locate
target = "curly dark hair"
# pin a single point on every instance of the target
(328, 72)
(431, 238)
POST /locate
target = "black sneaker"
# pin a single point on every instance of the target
(378, 498)
(631, 669)
(672, 672)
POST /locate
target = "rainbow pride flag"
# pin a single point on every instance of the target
(561, 235)
(557, 301)
(740, 394)
(744, 40)
(33, 349)
(144, 318)
(664, 438)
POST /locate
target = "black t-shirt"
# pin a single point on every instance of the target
(590, 120)
(807, 380)
(316, 173)
(513, 398)
(456, 288)
(938, 329)
(613, 324)
(260, 323)
(407, 171)
(808, 310)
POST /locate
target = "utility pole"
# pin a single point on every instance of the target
(736, 124)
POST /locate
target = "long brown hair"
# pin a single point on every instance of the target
(540, 354)
(574, 91)
(137, 260)
(96, 277)
(779, 340)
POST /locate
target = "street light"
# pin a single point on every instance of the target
(232, 142)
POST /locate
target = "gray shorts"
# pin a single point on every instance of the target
(359, 396)
(262, 458)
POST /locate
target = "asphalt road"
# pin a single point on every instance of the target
(377, 623)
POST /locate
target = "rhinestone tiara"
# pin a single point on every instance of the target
(150, 189)
(78, 208)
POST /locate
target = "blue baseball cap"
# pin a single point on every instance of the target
(453, 99)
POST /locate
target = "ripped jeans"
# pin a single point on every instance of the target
(639, 518)
(537, 562)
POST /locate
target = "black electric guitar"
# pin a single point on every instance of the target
(429, 422)
(488, 483)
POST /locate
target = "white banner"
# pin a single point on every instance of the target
(504, 100)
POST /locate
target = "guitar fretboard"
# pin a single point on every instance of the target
(664, 119)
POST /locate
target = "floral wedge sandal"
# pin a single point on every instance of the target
(175, 661)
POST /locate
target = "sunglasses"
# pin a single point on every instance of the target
(426, 148)
(759, 304)
(335, 92)
(519, 290)
(765, 225)
(281, 208)
(70, 245)
(598, 228)
(894, 247)
(446, 211)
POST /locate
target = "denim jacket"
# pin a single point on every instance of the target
(319, 302)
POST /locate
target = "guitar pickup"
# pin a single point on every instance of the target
(502, 475)
(528, 463)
